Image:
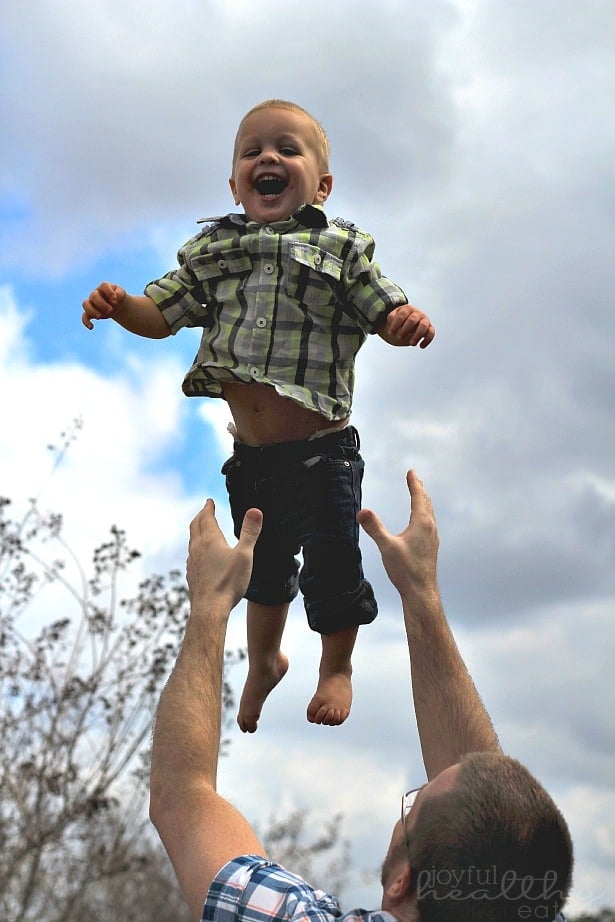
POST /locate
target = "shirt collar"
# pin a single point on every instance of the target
(309, 215)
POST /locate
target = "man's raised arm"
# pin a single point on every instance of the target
(450, 715)
(199, 829)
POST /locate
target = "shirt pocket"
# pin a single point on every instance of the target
(221, 275)
(313, 275)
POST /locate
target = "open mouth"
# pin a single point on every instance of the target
(270, 185)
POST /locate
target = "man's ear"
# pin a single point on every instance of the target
(233, 186)
(324, 189)
(398, 886)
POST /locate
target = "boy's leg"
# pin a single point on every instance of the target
(333, 697)
(266, 662)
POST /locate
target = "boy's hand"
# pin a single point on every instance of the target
(102, 303)
(407, 326)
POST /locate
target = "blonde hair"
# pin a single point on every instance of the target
(322, 141)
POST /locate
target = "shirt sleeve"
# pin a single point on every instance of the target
(179, 294)
(252, 889)
(368, 291)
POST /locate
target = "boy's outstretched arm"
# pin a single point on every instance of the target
(450, 715)
(136, 313)
(407, 326)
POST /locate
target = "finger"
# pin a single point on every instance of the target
(103, 299)
(403, 318)
(372, 526)
(198, 522)
(251, 528)
(95, 307)
(107, 291)
(416, 327)
(85, 320)
(415, 486)
(405, 326)
(420, 502)
(394, 319)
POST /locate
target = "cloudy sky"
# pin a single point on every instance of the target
(474, 140)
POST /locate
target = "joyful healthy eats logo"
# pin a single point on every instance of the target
(538, 897)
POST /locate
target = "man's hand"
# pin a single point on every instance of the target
(409, 558)
(407, 326)
(214, 570)
(102, 303)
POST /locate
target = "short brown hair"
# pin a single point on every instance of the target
(493, 845)
(322, 141)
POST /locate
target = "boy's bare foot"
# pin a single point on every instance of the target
(259, 683)
(332, 699)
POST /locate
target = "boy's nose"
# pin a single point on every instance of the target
(268, 156)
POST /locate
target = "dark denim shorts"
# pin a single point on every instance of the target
(309, 492)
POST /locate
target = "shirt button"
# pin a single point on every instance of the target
(317, 259)
(261, 322)
(254, 372)
(269, 230)
(222, 263)
(268, 268)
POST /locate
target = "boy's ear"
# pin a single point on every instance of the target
(324, 189)
(233, 186)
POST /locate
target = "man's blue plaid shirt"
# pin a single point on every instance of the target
(252, 889)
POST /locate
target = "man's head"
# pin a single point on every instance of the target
(280, 161)
(482, 841)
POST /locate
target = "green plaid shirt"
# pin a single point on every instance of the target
(287, 304)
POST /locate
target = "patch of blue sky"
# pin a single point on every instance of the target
(55, 331)
(14, 209)
(196, 455)
(15, 217)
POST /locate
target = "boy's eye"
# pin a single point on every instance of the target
(253, 152)
(289, 151)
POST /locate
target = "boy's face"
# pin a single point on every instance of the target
(277, 166)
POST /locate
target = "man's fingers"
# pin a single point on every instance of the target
(372, 526)
(419, 499)
(203, 518)
(205, 522)
(251, 528)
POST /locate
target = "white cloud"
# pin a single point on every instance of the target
(108, 474)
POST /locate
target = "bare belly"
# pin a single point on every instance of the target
(263, 417)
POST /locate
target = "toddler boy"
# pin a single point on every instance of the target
(285, 298)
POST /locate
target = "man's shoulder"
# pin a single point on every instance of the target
(250, 877)
(257, 889)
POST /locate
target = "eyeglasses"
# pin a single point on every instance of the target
(407, 802)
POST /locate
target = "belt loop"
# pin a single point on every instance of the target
(357, 440)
